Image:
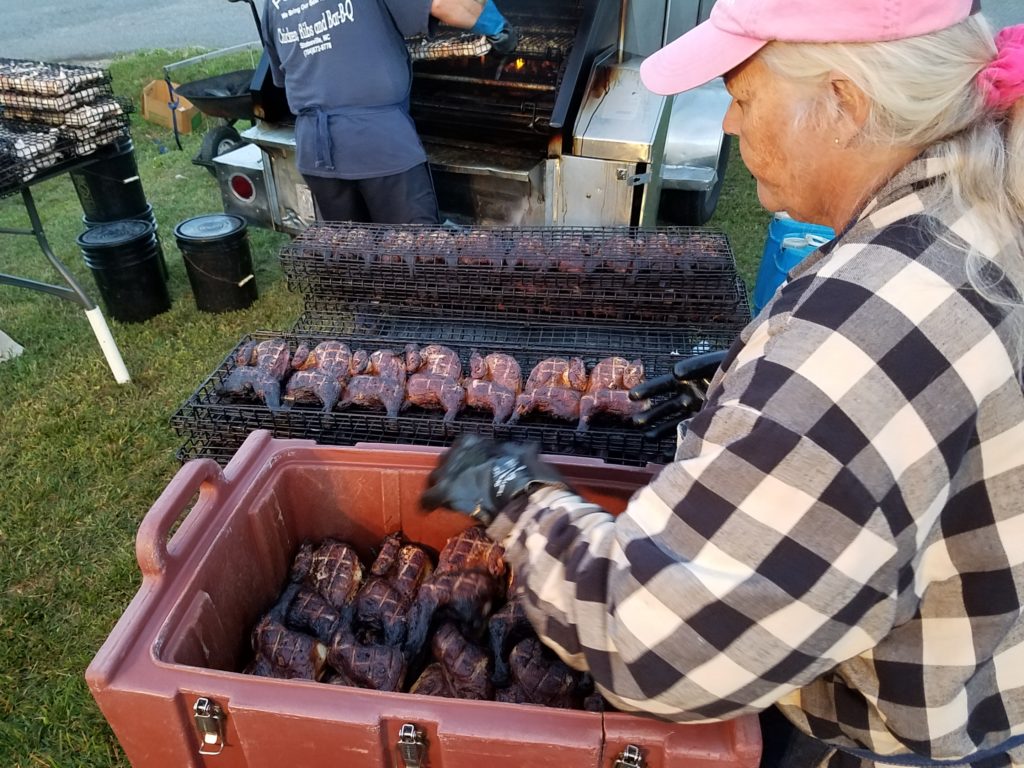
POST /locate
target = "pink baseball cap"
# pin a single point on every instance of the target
(737, 29)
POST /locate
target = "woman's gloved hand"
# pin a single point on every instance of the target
(688, 384)
(478, 476)
(502, 36)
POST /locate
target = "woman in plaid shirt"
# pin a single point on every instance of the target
(841, 537)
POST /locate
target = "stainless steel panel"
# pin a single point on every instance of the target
(620, 119)
(589, 192)
(247, 160)
(694, 140)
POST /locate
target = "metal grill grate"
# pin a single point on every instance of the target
(51, 114)
(214, 424)
(618, 275)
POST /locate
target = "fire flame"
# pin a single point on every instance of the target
(520, 63)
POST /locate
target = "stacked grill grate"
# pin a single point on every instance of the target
(532, 293)
(614, 275)
(52, 114)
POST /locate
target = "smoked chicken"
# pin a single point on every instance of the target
(465, 665)
(286, 653)
(432, 682)
(319, 374)
(494, 383)
(469, 579)
(608, 390)
(543, 677)
(435, 373)
(258, 372)
(505, 628)
(365, 663)
(309, 612)
(383, 603)
(553, 387)
(381, 384)
(336, 573)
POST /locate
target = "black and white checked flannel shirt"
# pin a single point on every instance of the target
(842, 532)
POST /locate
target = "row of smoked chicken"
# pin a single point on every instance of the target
(528, 251)
(451, 630)
(431, 377)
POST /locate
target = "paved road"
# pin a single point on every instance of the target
(92, 30)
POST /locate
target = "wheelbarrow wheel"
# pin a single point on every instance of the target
(219, 140)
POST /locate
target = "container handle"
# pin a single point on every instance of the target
(151, 540)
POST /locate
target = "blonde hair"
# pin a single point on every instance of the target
(922, 92)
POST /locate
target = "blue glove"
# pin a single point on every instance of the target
(501, 35)
(491, 22)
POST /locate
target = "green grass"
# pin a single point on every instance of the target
(83, 458)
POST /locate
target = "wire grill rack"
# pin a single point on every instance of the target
(215, 423)
(51, 114)
(603, 274)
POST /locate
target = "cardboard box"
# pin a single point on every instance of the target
(156, 110)
(185, 635)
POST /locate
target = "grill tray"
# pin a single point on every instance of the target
(660, 295)
(214, 424)
(622, 275)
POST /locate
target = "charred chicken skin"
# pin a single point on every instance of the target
(470, 578)
(505, 628)
(466, 666)
(320, 374)
(288, 654)
(366, 664)
(543, 677)
(383, 603)
(432, 682)
(259, 369)
(608, 390)
(383, 384)
(336, 573)
(310, 612)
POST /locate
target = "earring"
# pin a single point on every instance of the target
(836, 139)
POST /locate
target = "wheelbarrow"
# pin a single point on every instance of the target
(227, 97)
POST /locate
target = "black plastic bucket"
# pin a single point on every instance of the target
(125, 257)
(215, 248)
(110, 189)
(146, 215)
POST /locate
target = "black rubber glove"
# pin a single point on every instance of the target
(688, 383)
(478, 476)
(505, 41)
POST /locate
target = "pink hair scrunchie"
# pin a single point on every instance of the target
(1002, 81)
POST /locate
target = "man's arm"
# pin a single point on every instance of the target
(457, 13)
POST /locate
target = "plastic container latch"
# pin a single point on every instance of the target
(209, 719)
(630, 757)
(411, 746)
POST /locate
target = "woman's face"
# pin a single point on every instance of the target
(794, 167)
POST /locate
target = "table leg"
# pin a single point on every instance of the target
(107, 344)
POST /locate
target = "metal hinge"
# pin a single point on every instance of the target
(639, 179)
(411, 746)
(630, 757)
(209, 719)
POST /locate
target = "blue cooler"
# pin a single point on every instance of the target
(789, 242)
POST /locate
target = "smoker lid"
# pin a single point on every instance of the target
(115, 233)
(210, 227)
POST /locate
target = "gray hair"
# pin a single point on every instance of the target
(922, 91)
